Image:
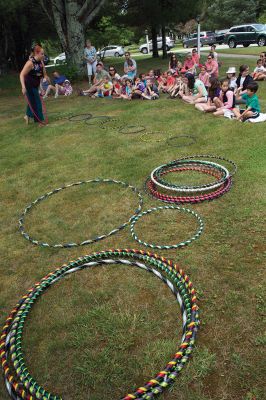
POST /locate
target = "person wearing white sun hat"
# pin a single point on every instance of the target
(231, 76)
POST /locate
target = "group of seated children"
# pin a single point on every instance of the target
(111, 85)
(60, 86)
(194, 83)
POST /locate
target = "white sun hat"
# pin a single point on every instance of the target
(231, 70)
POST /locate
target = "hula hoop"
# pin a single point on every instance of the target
(193, 140)
(87, 241)
(93, 120)
(150, 188)
(130, 129)
(213, 156)
(45, 122)
(145, 137)
(21, 385)
(155, 177)
(79, 117)
(172, 246)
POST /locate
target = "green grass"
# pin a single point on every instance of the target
(99, 333)
(253, 51)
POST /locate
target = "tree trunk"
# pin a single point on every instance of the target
(165, 55)
(155, 53)
(70, 19)
(75, 35)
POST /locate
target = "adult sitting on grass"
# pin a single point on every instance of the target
(58, 81)
(30, 78)
(97, 81)
(212, 66)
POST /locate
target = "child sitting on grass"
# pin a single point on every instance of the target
(213, 91)
(105, 89)
(259, 73)
(204, 76)
(151, 92)
(252, 103)
(126, 92)
(116, 88)
(226, 99)
(138, 89)
(231, 76)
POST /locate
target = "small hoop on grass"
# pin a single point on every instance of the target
(132, 129)
(97, 119)
(146, 138)
(172, 246)
(172, 139)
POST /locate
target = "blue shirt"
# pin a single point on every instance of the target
(60, 80)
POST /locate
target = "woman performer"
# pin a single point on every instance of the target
(30, 78)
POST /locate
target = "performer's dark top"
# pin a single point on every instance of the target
(34, 76)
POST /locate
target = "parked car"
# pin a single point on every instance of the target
(220, 36)
(169, 45)
(206, 38)
(245, 35)
(60, 59)
(111, 51)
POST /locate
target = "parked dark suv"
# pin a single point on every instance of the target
(206, 38)
(246, 34)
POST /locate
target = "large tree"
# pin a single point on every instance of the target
(17, 32)
(157, 15)
(71, 18)
(223, 14)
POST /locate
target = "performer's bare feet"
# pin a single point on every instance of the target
(27, 120)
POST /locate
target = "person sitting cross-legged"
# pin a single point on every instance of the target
(97, 81)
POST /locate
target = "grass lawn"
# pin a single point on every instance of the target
(253, 51)
(100, 333)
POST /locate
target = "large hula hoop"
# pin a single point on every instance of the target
(21, 385)
(212, 156)
(173, 246)
(155, 176)
(85, 242)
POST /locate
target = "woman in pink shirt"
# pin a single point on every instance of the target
(195, 57)
(189, 64)
(212, 66)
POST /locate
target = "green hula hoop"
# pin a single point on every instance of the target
(87, 241)
(171, 246)
(19, 382)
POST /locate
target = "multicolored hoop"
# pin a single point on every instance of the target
(21, 385)
(85, 242)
